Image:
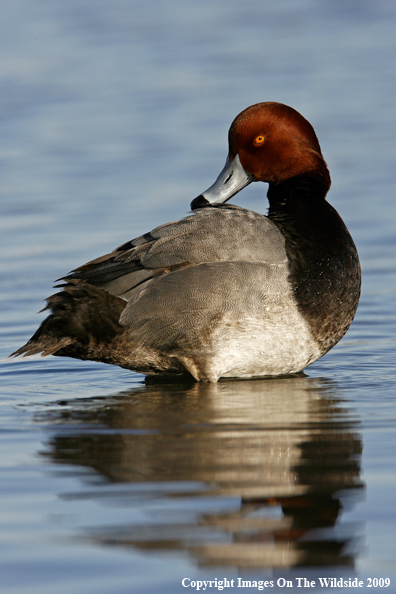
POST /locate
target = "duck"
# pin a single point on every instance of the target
(226, 292)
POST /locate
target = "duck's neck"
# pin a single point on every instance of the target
(323, 261)
(299, 209)
(299, 187)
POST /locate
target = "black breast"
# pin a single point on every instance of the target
(323, 260)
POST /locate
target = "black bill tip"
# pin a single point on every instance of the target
(199, 202)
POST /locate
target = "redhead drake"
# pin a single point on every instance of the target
(225, 292)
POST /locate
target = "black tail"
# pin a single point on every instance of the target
(84, 324)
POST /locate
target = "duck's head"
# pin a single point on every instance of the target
(268, 142)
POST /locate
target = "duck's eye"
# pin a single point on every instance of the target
(259, 140)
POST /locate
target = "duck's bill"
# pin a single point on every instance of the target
(230, 181)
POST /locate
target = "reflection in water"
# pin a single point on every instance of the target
(244, 474)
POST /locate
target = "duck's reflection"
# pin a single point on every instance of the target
(245, 474)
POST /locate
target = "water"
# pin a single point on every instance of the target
(113, 116)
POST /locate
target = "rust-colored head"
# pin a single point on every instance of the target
(268, 142)
(274, 143)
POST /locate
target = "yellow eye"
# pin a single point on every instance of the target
(259, 140)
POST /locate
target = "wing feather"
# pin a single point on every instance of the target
(209, 235)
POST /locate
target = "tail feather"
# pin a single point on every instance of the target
(77, 326)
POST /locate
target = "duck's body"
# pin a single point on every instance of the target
(225, 292)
